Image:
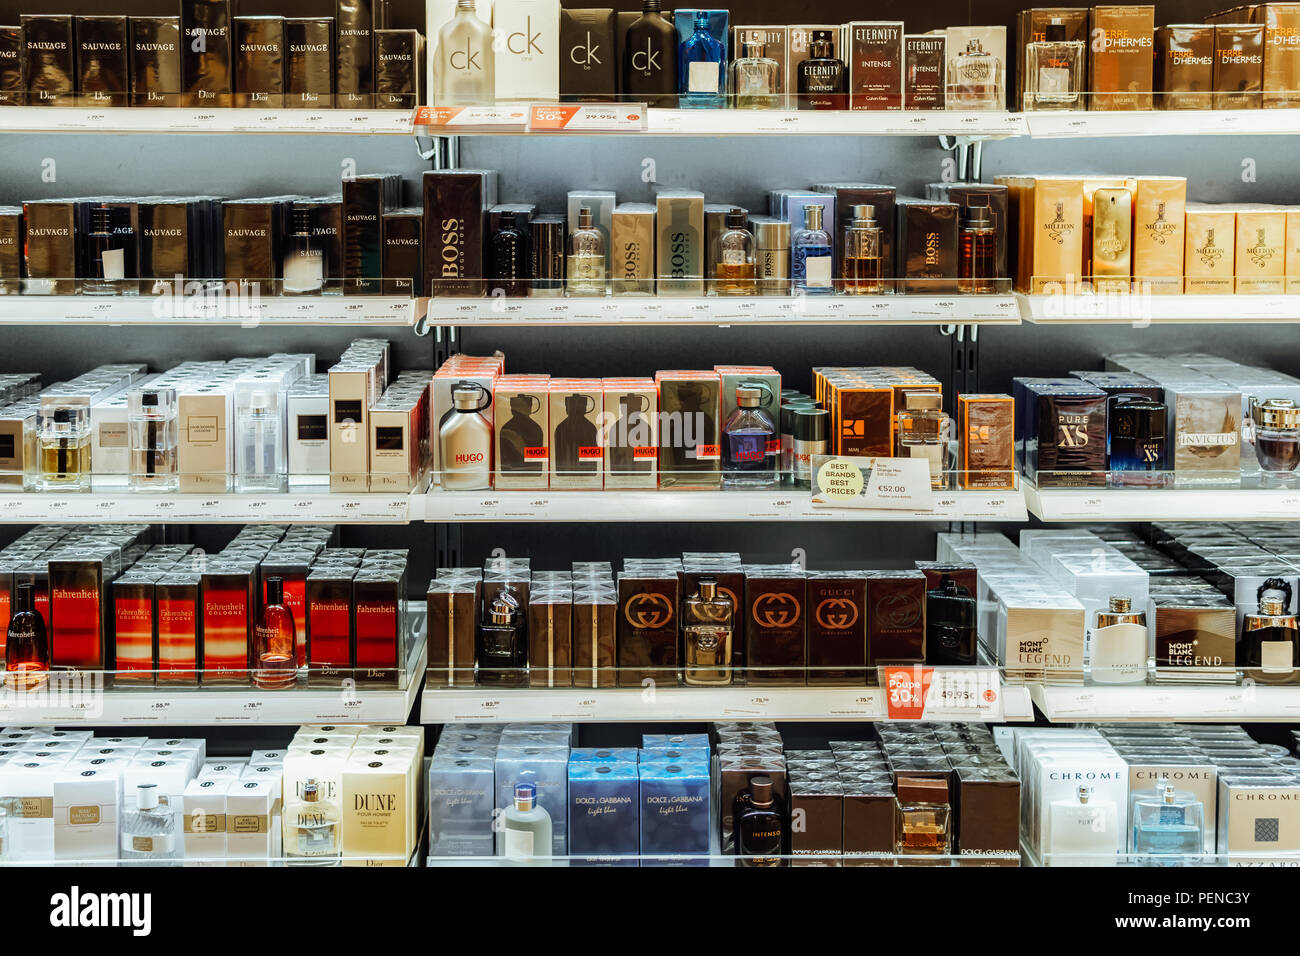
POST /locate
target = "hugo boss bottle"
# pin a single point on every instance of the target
(650, 59)
(465, 443)
(509, 259)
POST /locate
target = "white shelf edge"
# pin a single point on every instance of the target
(297, 505)
(1161, 504)
(1140, 311)
(167, 120)
(1150, 702)
(150, 310)
(1056, 124)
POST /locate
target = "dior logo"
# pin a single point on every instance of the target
(1058, 227)
(585, 54)
(648, 611)
(647, 60)
(524, 43)
(466, 59)
(1208, 252)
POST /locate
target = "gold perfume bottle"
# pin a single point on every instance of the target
(707, 628)
(63, 434)
(922, 817)
(1112, 231)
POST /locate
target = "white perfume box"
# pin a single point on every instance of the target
(110, 446)
(526, 35)
(129, 743)
(251, 835)
(309, 439)
(222, 768)
(28, 785)
(262, 771)
(86, 813)
(205, 821)
(267, 757)
(171, 775)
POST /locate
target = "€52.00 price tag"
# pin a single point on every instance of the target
(894, 484)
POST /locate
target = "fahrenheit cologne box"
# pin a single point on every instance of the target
(775, 625)
(259, 61)
(51, 258)
(1159, 212)
(155, 61)
(1261, 249)
(86, 802)
(354, 66)
(604, 813)
(12, 90)
(1120, 57)
(228, 606)
(679, 249)
(927, 246)
(403, 265)
(576, 453)
(380, 627)
(837, 627)
(329, 625)
(1185, 67)
(456, 203)
(1238, 65)
(399, 69)
(77, 609)
(924, 68)
(102, 58)
(690, 451)
(528, 61)
(133, 618)
(875, 62)
(180, 628)
(205, 53)
(309, 63)
(647, 628)
(775, 41)
(49, 60)
(588, 60)
(522, 431)
(986, 436)
(365, 199)
(550, 638)
(633, 249)
(631, 433)
(895, 611)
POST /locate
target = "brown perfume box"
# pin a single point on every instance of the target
(690, 451)
(895, 618)
(927, 246)
(1261, 249)
(587, 56)
(982, 194)
(550, 639)
(735, 770)
(775, 628)
(1185, 67)
(837, 628)
(963, 573)
(309, 63)
(820, 840)
(1031, 27)
(354, 64)
(799, 40)
(49, 60)
(594, 659)
(987, 811)
(868, 817)
(102, 61)
(456, 203)
(365, 200)
(1121, 61)
(259, 62)
(1209, 256)
(882, 199)
(1281, 53)
(1195, 640)
(253, 232)
(864, 419)
(647, 630)
(577, 451)
(399, 69)
(403, 258)
(453, 615)
(327, 227)
(155, 61)
(12, 90)
(11, 249)
(875, 65)
(1292, 250)
(1048, 215)
(51, 247)
(680, 246)
(924, 66)
(521, 405)
(205, 53)
(1159, 211)
(986, 426)
(633, 249)
(1238, 66)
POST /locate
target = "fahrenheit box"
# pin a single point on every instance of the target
(330, 655)
(680, 246)
(1209, 256)
(456, 203)
(576, 450)
(77, 589)
(631, 425)
(228, 610)
(690, 451)
(1120, 57)
(180, 626)
(378, 594)
(647, 628)
(875, 62)
(133, 618)
(205, 53)
(522, 431)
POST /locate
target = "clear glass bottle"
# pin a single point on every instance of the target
(586, 258)
(1268, 651)
(524, 833)
(977, 251)
(950, 625)
(708, 626)
(650, 59)
(1274, 425)
(149, 830)
(1082, 831)
(755, 78)
(924, 430)
(304, 258)
(1137, 442)
(63, 434)
(502, 641)
(761, 827)
(1119, 644)
(811, 257)
(465, 444)
(27, 651)
(316, 832)
(976, 81)
(508, 255)
(1054, 70)
(153, 430)
(750, 443)
(860, 263)
(258, 443)
(701, 68)
(1167, 824)
(821, 78)
(106, 261)
(275, 658)
(922, 817)
(466, 62)
(735, 265)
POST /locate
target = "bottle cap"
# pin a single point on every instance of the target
(24, 598)
(812, 215)
(1276, 413)
(752, 49)
(708, 589)
(1084, 793)
(525, 796)
(736, 219)
(1056, 30)
(928, 400)
(301, 221)
(1272, 607)
(1120, 605)
(504, 608)
(274, 591)
(760, 791)
(507, 220)
(101, 220)
(466, 399)
(1139, 417)
(146, 796)
(811, 424)
(770, 233)
(584, 217)
(1170, 793)
(979, 216)
(749, 396)
(788, 410)
(864, 214)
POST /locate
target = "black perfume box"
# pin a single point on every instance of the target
(837, 627)
(927, 246)
(354, 65)
(647, 629)
(155, 61)
(49, 60)
(259, 62)
(1123, 383)
(327, 228)
(365, 199)
(252, 239)
(11, 249)
(982, 194)
(588, 61)
(102, 61)
(895, 609)
(170, 231)
(882, 198)
(399, 69)
(12, 91)
(456, 204)
(124, 220)
(205, 53)
(1061, 431)
(309, 63)
(775, 628)
(403, 259)
(51, 247)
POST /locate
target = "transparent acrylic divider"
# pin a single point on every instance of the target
(731, 860)
(1185, 479)
(749, 284)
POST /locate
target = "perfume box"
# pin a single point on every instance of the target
(966, 71)
(1258, 816)
(462, 805)
(51, 251)
(456, 203)
(228, 608)
(631, 428)
(12, 243)
(848, 195)
(204, 823)
(868, 815)
(1061, 432)
(522, 431)
(924, 67)
(354, 69)
(594, 629)
(396, 443)
(776, 645)
(895, 617)
(1185, 58)
(330, 655)
(399, 69)
(86, 803)
(102, 61)
(1238, 65)
(379, 624)
(986, 437)
(1209, 255)
(77, 612)
(764, 377)
(309, 63)
(365, 200)
(309, 448)
(254, 233)
(352, 387)
(647, 628)
(604, 813)
(632, 249)
(775, 41)
(528, 63)
(205, 53)
(180, 628)
(1121, 58)
(690, 450)
(133, 627)
(27, 786)
(49, 60)
(680, 245)
(576, 442)
(251, 836)
(1260, 255)
(547, 768)
(875, 65)
(927, 246)
(259, 59)
(292, 568)
(469, 371)
(987, 809)
(550, 638)
(205, 455)
(169, 236)
(837, 627)
(676, 813)
(1048, 212)
(155, 61)
(820, 804)
(587, 61)
(12, 90)
(1199, 777)
(982, 194)
(1031, 27)
(1159, 205)
(1281, 54)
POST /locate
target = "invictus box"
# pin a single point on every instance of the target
(456, 203)
(365, 199)
(309, 63)
(647, 628)
(875, 62)
(587, 61)
(775, 626)
(102, 59)
(259, 62)
(354, 65)
(837, 627)
(49, 61)
(155, 61)
(205, 53)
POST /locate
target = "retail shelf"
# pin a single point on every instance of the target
(125, 119)
(729, 310)
(655, 506)
(380, 311)
(1207, 703)
(730, 861)
(1080, 123)
(1161, 504)
(293, 506)
(1142, 310)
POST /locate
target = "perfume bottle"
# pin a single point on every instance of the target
(811, 438)
(860, 263)
(519, 434)
(465, 444)
(304, 258)
(650, 59)
(977, 258)
(1167, 824)
(105, 256)
(1082, 831)
(922, 817)
(924, 431)
(258, 443)
(735, 265)
(1268, 651)
(976, 81)
(755, 78)
(1054, 70)
(316, 833)
(502, 643)
(810, 249)
(820, 83)
(153, 431)
(701, 68)
(586, 257)
(275, 657)
(149, 831)
(524, 832)
(509, 263)
(760, 829)
(27, 648)
(1275, 424)
(546, 246)
(466, 61)
(750, 443)
(1119, 644)
(950, 631)
(1137, 441)
(63, 434)
(707, 628)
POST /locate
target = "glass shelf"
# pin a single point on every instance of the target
(720, 860)
(154, 310)
(1098, 502)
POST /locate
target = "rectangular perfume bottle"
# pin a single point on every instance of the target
(1112, 240)
(588, 65)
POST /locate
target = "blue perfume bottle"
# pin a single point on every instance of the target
(701, 66)
(604, 813)
(1167, 824)
(811, 258)
(675, 811)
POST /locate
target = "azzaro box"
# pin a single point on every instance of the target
(924, 69)
(12, 91)
(205, 54)
(259, 62)
(1209, 255)
(1238, 66)
(365, 200)
(647, 628)
(102, 61)
(1185, 56)
(588, 65)
(456, 204)
(837, 627)
(875, 65)
(690, 450)
(354, 64)
(399, 69)
(49, 60)
(309, 63)
(776, 648)
(1121, 60)
(1258, 815)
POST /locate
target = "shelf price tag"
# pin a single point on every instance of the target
(457, 116)
(892, 484)
(965, 693)
(587, 118)
(906, 689)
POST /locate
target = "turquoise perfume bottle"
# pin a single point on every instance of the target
(1167, 823)
(701, 66)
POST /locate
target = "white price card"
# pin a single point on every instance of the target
(894, 484)
(964, 693)
(587, 118)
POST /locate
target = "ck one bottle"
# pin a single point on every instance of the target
(1268, 651)
(465, 444)
(755, 78)
(586, 257)
(502, 642)
(820, 83)
(149, 830)
(1082, 831)
(707, 628)
(810, 251)
(508, 252)
(106, 261)
(860, 263)
(1119, 644)
(304, 258)
(761, 828)
(153, 433)
(1054, 70)
(316, 832)
(977, 251)
(275, 655)
(63, 436)
(751, 445)
(466, 71)
(702, 68)
(650, 59)
(1167, 826)
(735, 265)
(524, 830)
(27, 651)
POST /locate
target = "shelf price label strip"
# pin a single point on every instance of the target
(917, 692)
